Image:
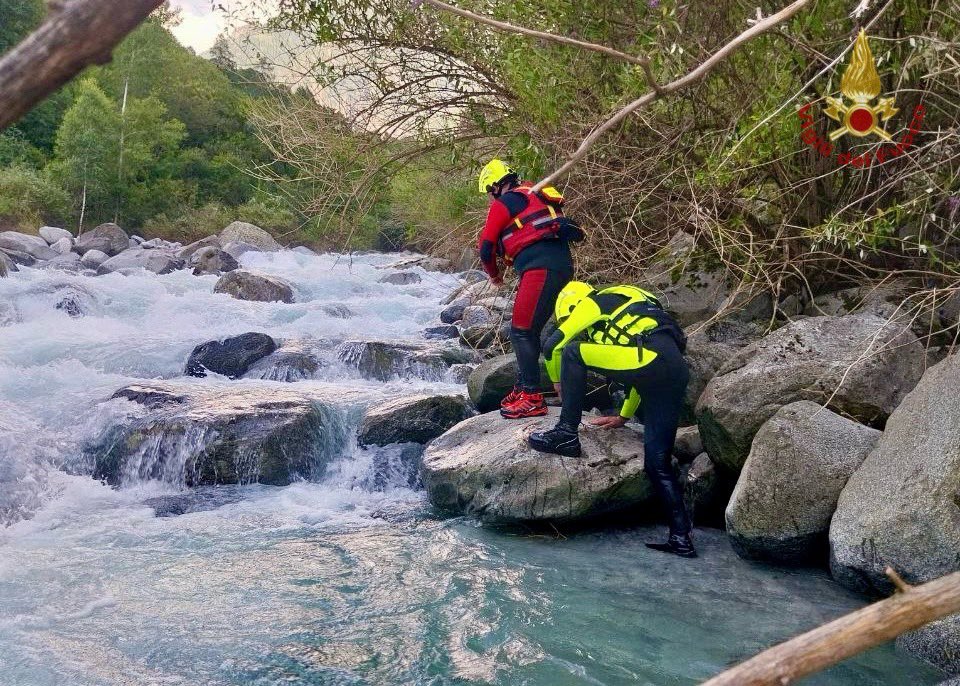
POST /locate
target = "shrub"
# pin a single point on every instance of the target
(28, 200)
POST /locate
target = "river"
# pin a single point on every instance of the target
(346, 581)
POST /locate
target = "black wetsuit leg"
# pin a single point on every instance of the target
(536, 297)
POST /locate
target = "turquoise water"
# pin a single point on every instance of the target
(337, 583)
(319, 585)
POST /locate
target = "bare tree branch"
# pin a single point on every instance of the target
(513, 28)
(911, 608)
(691, 77)
(74, 36)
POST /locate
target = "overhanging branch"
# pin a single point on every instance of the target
(691, 77)
(75, 35)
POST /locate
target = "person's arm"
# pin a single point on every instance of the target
(497, 218)
(630, 404)
(586, 314)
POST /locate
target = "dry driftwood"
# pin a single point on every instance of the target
(911, 608)
(75, 35)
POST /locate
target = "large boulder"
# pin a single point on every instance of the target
(494, 379)
(34, 246)
(484, 467)
(108, 238)
(185, 434)
(900, 508)
(413, 419)
(242, 232)
(247, 285)
(52, 234)
(708, 350)
(231, 357)
(859, 365)
(156, 261)
(187, 252)
(787, 492)
(69, 262)
(212, 260)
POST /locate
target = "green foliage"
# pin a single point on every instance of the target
(28, 200)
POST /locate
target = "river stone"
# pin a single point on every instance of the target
(442, 332)
(476, 315)
(34, 246)
(69, 262)
(21, 259)
(484, 467)
(156, 261)
(401, 278)
(92, 259)
(52, 234)
(425, 262)
(230, 357)
(212, 260)
(705, 491)
(248, 233)
(800, 461)
(453, 312)
(7, 266)
(900, 507)
(209, 242)
(494, 379)
(294, 360)
(75, 301)
(189, 434)
(108, 238)
(64, 246)
(479, 336)
(414, 419)
(238, 248)
(247, 285)
(386, 360)
(861, 364)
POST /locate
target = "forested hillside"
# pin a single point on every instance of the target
(158, 140)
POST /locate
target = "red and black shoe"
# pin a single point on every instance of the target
(512, 397)
(528, 405)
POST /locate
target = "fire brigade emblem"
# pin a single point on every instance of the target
(860, 84)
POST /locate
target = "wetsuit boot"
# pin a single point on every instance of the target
(660, 472)
(678, 544)
(563, 439)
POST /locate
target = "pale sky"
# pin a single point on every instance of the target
(201, 23)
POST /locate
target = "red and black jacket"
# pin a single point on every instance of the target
(517, 220)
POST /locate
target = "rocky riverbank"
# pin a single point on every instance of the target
(819, 430)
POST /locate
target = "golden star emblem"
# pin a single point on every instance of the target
(860, 83)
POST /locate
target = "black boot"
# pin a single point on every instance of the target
(560, 440)
(678, 544)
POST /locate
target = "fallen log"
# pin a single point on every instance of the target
(910, 608)
(75, 35)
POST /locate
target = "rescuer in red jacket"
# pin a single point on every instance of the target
(528, 231)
